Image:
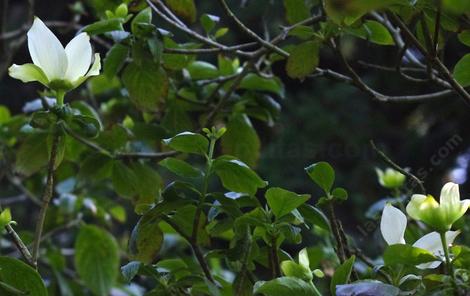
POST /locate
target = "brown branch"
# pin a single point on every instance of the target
(397, 167)
(47, 196)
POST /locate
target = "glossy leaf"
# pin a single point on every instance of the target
(322, 174)
(303, 59)
(342, 274)
(21, 277)
(188, 142)
(282, 201)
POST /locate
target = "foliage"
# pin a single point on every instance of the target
(167, 138)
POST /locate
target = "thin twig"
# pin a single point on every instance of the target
(47, 196)
(398, 168)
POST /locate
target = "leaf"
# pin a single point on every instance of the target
(146, 240)
(180, 167)
(5, 218)
(322, 174)
(293, 269)
(4, 114)
(143, 17)
(314, 216)
(115, 59)
(208, 22)
(407, 255)
(285, 286)
(184, 218)
(375, 288)
(96, 259)
(202, 70)
(148, 185)
(342, 274)
(130, 270)
(296, 11)
(237, 176)
(96, 167)
(147, 84)
(241, 140)
(256, 82)
(372, 31)
(282, 201)
(303, 59)
(100, 27)
(124, 180)
(462, 70)
(183, 8)
(32, 154)
(188, 142)
(464, 37)
(21, 277)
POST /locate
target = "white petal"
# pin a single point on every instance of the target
(94, 71)
(429, 265)
(393, 225)
(450, 195)
(78, 53)
(432, 243)
(46, 51)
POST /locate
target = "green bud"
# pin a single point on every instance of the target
(390, 178)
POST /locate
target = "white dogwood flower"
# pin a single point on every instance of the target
(393, 226)
(56, 67)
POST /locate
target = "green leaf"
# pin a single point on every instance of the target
(293, 269)
(148, 185)
(130, 270)
(96, 167)
(241, 140)
(464, 37)
(282, 201)
(340, 194)
(285, 286)
(96, 259)
(202, 70)
(32, 155)
(188, 142)
(104, 26)
(20, 277)
(143, 17)
(115, 59)
(342, 274)
(255, 82)
(4, 114)
(208, 22)
(322, 174)
(124, 180)
(296, 11)
(180, 167)
(314, 216)
(5, 218)
(183, 8)
(237, 176)
(407, 255)
(147, 84)
(372, 31)
(369, 287)
(184, 218)
(303, 59)
(462, 70)
(146, 240)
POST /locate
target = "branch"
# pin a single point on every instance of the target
(20, 245)
(433, 60)
(398, 168)
(47, 196)
(196, 250)
(192, 33)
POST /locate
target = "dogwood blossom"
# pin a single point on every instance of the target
(56, 67)
(439, 216)
(393, 226)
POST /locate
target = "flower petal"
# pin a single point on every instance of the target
(46, 51)
(432, 243)
(94, 71)
(79, 54)
(426, 209)
(28, 73)
(450, 196)
(393, 225)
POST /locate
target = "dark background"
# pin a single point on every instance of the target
(321, 119)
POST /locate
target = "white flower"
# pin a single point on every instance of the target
(54, 66)
(393, 226)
